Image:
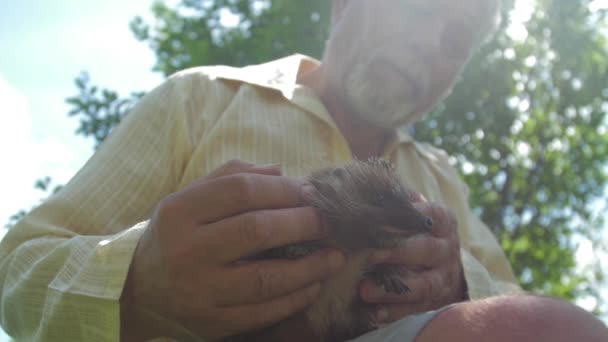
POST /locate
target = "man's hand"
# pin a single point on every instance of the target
(188, 265)
(435, 275)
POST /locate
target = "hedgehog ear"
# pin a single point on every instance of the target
(339, 173)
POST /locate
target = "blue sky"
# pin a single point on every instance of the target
(44, 45)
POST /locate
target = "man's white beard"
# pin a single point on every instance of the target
(378, 93)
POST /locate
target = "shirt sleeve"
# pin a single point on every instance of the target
(486, 268)
(63, 267)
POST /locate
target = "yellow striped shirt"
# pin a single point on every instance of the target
(63, 267)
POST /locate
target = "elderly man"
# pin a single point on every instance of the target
(145, 240)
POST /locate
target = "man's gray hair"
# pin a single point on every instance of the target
(492, 10)
(490, 24)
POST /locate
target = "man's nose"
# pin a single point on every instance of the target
(420, 24)
(428, 38)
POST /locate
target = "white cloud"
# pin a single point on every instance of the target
(109, 51)
(598, 5)
(521, 14)
(15, 131)
(16, 114)
(36, 136)
(25, 159)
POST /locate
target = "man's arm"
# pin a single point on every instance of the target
(63, 267)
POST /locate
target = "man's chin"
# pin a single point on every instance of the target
(376, 108)
(384, 121)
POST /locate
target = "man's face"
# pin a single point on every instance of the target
(392, 60)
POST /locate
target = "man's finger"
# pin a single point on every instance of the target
(263, 281)
(257, 316)
(444, 222)
(388, 313)
(245, 234)
(417, 252)
(416, 197)
(225, 196)
(240, 166)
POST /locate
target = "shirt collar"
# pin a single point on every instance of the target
(282, 75)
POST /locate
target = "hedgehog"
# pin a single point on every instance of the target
(365, 208)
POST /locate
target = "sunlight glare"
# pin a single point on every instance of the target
(519, 16)
(598, 5)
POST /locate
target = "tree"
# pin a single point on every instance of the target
(42, 184)
(526, 126)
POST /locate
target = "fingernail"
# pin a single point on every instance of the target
(420, 206)
(335, 260)
(417, 197)
(308, 192)
(381, 315)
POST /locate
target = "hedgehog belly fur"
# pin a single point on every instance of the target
(333, 312)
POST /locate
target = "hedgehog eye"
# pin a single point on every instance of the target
(378, 199)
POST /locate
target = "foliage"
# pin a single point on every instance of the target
(526, 126)
(42, 184)
(192, 34)
(99, 111)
